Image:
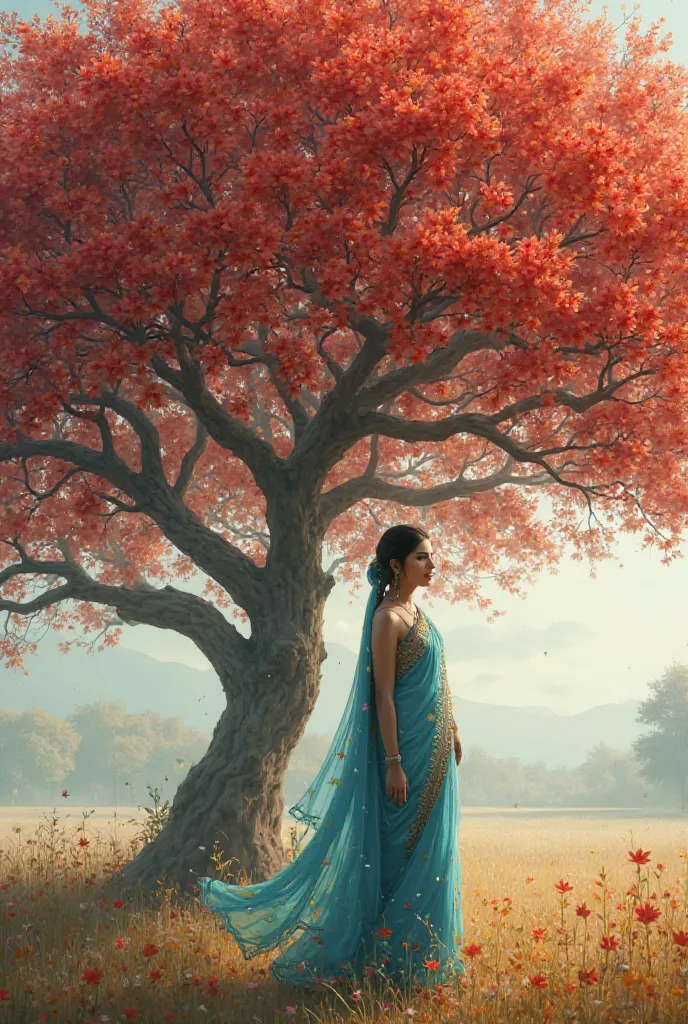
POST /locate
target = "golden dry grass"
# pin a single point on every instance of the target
(70, 954)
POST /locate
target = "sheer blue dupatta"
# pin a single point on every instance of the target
(331, 890)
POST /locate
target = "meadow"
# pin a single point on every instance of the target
(568, 916)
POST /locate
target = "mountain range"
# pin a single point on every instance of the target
(58, 683)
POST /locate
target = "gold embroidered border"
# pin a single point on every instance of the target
(412, 648)
(439, 758)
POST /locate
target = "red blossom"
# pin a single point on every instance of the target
(562, 886)
(609, 942)
(150, 949)
(680, 938)
(639, 857)
(538, 981)
(431, 965)
(588, 977)
(647, 913)
(474, 949)
(583, 911)
(4, 995)
(130, 1013)
(384, 933)
(92, 976)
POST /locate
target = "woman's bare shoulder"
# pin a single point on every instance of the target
(387, 620)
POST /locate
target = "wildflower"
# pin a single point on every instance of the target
(150, 949)
(639, 857)
(408, 1013)
(92, 976)
(290, 1011)
(538, 933)
(385, 933)
(588, 977)
(609, 942)
(647, 913)
(118, 904)
(250, 985)
(119, 943)
(355, 996)
(680, 938)
(563, 887)
(65, 794)
(538, 981)
(583, 911)
(155, 974)
(130, 1013)
(84, 842)
(431, 965)
(475, 949)
(4, 995)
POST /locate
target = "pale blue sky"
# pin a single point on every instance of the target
(605, 638)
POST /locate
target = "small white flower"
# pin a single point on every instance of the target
(202, 1007)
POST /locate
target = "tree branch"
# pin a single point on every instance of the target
(169, 608)
(339, 499)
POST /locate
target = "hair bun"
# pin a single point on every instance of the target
(373, 573)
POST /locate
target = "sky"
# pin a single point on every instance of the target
(574, 642)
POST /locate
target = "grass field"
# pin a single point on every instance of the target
(614, 947)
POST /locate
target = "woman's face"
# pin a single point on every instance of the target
(419, 565)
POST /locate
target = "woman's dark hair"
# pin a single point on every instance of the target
(397, 542)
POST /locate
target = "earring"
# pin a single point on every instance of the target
(396, 583)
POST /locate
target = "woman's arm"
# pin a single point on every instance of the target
(384, 650)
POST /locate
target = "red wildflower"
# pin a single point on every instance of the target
(130, 1013)
(150, 949)
(431, 965)
(588, 977)
(538, 981)
(647, 913)
(4, 995)
(407, 906)
(562, 886)
(385, 933)
(155, 974)
(609, 942)
(583, 911)
(538, 933)
(680, 938)
(639, 857)
(83, 842)
(65, 794)
(118, 904)
(92, 976)
(119, 943)
(475, 949)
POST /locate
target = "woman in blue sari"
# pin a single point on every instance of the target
(377, 889)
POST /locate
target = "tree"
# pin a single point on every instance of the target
(37, 749)
(274, 274)
(663, 752)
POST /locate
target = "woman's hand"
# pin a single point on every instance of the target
(397, 784)
(458, 753)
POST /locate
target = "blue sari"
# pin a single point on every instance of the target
(377, 889)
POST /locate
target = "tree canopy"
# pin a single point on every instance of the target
(423, 254)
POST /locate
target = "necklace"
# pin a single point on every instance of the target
(406, 608)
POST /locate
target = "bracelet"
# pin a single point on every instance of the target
(395, 759)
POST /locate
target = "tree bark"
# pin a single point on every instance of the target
(234, 796)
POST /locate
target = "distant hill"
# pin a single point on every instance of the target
(58, 683)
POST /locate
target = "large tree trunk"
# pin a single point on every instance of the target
(233, 796)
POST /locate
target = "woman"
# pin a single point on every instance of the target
(377, 889)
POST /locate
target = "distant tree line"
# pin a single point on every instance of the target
(103, 755)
